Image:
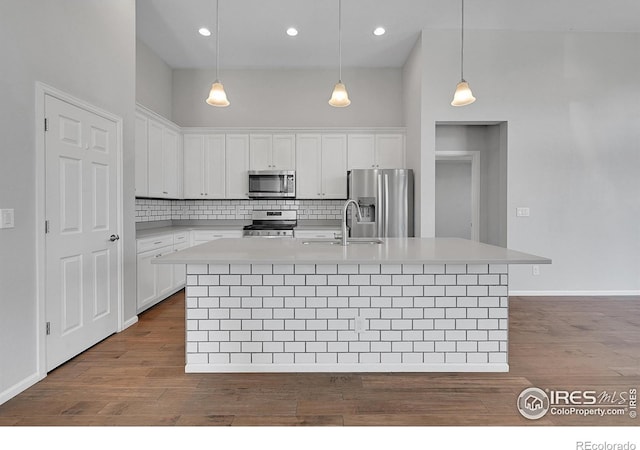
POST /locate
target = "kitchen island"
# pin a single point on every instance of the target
(294, 305)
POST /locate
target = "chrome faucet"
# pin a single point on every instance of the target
(344, 218)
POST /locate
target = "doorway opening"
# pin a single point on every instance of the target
(471, 181)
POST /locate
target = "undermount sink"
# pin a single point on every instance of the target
(349, 241)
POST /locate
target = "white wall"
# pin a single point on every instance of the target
(412, 118)
(573, 113)
(84, 48)
(288, 98)
(154, 80)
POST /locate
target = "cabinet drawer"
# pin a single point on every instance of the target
(210, 235)
(315, 234)
(155, 242)
(180, 238)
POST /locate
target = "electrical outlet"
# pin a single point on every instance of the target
(6, 218)
(523, 212)
(535, 270)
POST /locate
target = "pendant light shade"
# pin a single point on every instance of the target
(217, 96)
(339, 96)
(463, 95)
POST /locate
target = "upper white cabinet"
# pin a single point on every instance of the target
(141, 156)
(173, 162)
(237, 166)
(376, 151)
(204, 166)
(158, 158)
(321, 166)
(272, 152)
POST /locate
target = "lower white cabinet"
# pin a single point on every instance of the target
(157, 281)
(201, 236)
(180, 242)
(318, 234)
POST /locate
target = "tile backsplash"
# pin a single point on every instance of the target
(150, 210)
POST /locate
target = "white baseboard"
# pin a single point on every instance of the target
(516, 293)
(358, 368)
(20, 387)
(129, 322)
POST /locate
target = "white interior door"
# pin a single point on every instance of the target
(81, 246)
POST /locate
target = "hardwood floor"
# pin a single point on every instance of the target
(137, 378)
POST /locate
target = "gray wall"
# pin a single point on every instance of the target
(154, 79)
(453, 199)
(288, 98)
(84, 48)
(573, 141)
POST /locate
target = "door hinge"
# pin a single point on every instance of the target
(46, 226)
(46, 124)
(48, 329)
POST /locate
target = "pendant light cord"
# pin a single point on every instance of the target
(462, 43)
(340, 39)
(217, 37)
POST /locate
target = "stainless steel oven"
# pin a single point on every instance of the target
(272, 184)
(271, 224)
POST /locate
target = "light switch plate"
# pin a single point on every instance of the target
(522, 212)
(6, 218)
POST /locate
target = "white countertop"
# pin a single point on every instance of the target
(392, 251)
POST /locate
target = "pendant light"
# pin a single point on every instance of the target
(463, 95)
(217, 96)
(339, 97)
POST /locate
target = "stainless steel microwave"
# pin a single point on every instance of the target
(272, 184)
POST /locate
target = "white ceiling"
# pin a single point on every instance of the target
(252, 32)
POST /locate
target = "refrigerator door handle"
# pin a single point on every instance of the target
(379, 206)
(386, 205)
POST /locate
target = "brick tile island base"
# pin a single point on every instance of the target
(347, 316)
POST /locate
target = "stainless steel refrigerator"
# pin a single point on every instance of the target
(385, 197)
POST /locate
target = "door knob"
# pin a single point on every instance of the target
(114, 237)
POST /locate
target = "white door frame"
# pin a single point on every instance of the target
(41, 91)
(474, 157)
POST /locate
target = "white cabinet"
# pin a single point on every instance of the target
(164, 163)
(155, 282)
(202, 236)
(376, 151)
(146, 282)
(141, 156)
(237, 166)
(163, 159)
(322, 233)
(321, 166)
(204, 166)
(272, 152)
(180, 242)
(334, 166)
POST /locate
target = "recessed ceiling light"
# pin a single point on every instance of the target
(292, 31)
(204, 32)
(379, 31)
